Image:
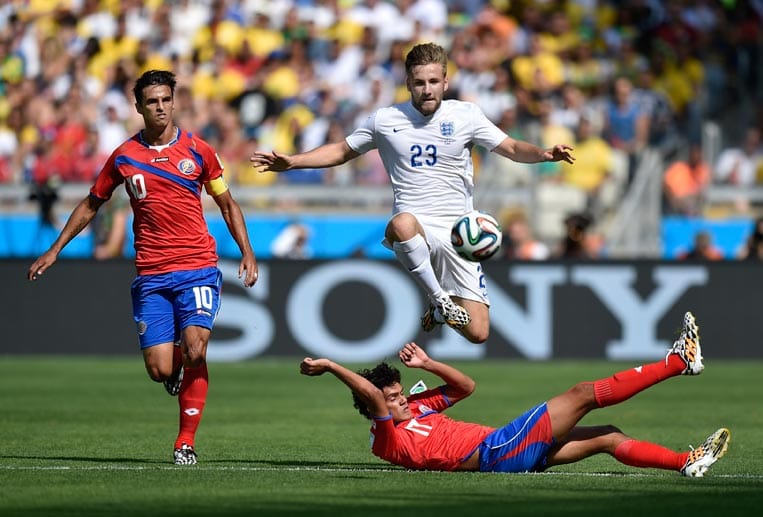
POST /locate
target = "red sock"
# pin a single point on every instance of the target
(644, 454)
(191, 399)
(624, 385)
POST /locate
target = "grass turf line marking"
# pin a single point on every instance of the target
(335, 469)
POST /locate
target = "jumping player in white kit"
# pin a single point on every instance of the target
(426, 145)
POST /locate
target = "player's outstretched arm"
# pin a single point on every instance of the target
(458, 384)
(371, 395)
(525, 152)
(234, 219)
(80, 217)
(327, 155)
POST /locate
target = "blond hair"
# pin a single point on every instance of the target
(426, 54)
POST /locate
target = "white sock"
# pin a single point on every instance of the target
(414, 255)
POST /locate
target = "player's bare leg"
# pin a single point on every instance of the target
(478, 328)
(158, 361)
(582, 442)
(173, 382)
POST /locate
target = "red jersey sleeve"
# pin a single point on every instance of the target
(434, 399)
(212, 165)
(108, 179)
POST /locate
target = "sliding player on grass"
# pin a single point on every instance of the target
(412, 431)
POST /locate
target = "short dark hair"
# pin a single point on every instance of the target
(381, 376)
(426, 54)
(153, 77)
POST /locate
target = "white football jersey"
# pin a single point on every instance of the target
(428, 159)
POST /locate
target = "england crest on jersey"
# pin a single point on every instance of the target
(447, 128)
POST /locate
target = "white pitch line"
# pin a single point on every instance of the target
(329, 469)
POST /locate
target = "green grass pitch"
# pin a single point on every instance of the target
(93, 436)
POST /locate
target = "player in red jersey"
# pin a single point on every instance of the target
(176, 294)
(413, 432)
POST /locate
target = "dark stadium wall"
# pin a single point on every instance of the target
(363, 310)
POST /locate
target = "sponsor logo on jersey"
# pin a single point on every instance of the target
(419, 387)
(423, 409)
(160, 159)
(186, 166)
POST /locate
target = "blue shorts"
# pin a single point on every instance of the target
(163, 305)
(519, 446)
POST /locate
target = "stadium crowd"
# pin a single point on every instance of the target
(610, 77)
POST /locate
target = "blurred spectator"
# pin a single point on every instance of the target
(495, 172)
(573, 105)
(244, 174)
(372, 171)
(626, 123)
(230, 142)
(110, 227)
(88, 159)
(111, 129)
(70, 135)
(680, 78)
(46, 179)
(663, 131)
(9, 145)
(753, 247)
(498, 97)
(430, 15)
(384, 17)
(594, 162)
(551, 133)
(585, 69)
(292, 242)
(578, 242)
(627, 60)
(738, 165)
(518, 240)
(744, 21)
(11, 64)
(703, 248)
(685, 183)
(539, 71)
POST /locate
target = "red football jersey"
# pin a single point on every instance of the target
(165, 188)
(429, 440)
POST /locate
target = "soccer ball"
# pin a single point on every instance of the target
(476, 236)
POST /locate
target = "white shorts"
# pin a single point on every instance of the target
(457, 276)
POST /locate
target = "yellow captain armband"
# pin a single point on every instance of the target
(216, 187)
